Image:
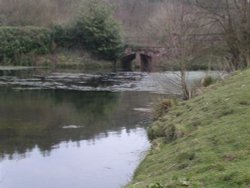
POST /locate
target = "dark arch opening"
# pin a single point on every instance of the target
(146, 62)
(127, 62)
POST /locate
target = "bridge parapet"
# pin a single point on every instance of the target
(151, 51)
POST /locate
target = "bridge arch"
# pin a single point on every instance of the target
(142, 60)
(146, 62)
(126, 62)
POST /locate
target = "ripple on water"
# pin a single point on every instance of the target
(115, 82)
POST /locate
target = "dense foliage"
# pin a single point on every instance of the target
(64, 36)
(20, 41)
(95, 30)
(99, 32)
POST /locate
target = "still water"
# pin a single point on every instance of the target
(75, 129)
(52, 137)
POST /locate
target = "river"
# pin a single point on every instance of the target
(75, 129)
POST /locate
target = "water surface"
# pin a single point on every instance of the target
(62, 138)
(75, 129)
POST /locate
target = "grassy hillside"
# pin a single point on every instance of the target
(204, 142)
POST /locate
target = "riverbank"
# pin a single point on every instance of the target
(203, 142)
(72, 59)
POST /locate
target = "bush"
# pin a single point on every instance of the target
(163, 107)
(94, 30)
(168, 132)
(16, 42)
(155, 131)
(97, 31)
(207, 81)
(65, 37)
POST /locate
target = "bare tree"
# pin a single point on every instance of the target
(232, 17)
(177, 31)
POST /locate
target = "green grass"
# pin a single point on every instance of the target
(72, 59)
(210, 142)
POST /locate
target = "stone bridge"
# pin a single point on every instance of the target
(145, 58)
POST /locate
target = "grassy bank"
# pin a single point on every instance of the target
(203, 142)
(71, 59)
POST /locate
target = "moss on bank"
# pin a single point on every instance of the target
(209, 146)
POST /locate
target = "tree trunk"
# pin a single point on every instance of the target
(235, 58)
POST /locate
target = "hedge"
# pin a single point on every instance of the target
(18, 41)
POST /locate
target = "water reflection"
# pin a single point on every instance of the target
(43, 118)
(67, 133)
(60, 136)
(106, 163)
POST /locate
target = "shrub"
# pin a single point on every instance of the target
(155, 131)
(64, 36)
(170, 133)
(97, 30)
(163, 107)
(207, 81)
(16, 42)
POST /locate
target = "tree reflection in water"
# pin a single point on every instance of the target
(46, 118)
